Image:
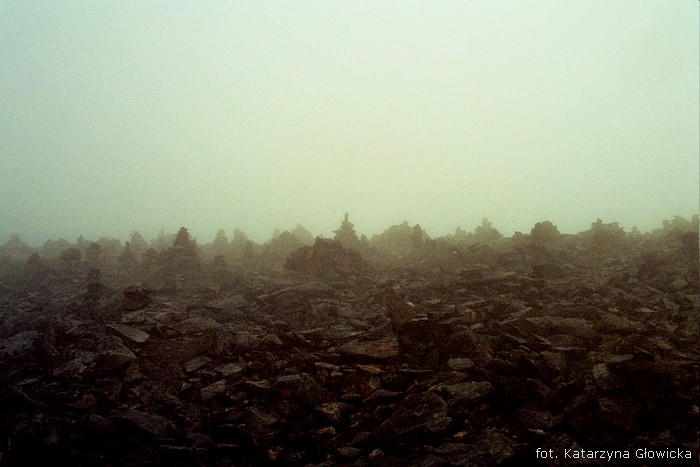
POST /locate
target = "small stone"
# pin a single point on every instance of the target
(334, 412)
(679, 284)
(197, 363)
(230, 369)
(327, 366)
(327, 431)
(349, 451)
(258, 387)
(88, 401)
(213, 390)
(271, 340)
(460, 364)
(259, 417)
(117, 358)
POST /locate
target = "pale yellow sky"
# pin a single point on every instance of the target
(121, 116)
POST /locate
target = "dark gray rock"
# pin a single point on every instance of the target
(150, 424)
(136, 298)
(131, 333)
(21, 346)
(384, 350)
(334, 412)
(213, 390)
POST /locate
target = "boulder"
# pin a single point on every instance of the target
(135, 298)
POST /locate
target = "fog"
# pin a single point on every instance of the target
(121, 116)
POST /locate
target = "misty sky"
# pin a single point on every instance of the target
(140, 115)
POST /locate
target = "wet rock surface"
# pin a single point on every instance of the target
(432, 359)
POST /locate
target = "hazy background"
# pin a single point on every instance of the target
(121, 116)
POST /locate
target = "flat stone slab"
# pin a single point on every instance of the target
(196, 325)
(197, 363)
(131, 333)
(384, 350)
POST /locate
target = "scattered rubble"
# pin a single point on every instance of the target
(442, 357)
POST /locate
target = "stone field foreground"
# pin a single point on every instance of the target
(438, 358)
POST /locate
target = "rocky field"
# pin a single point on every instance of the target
(441, 357)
